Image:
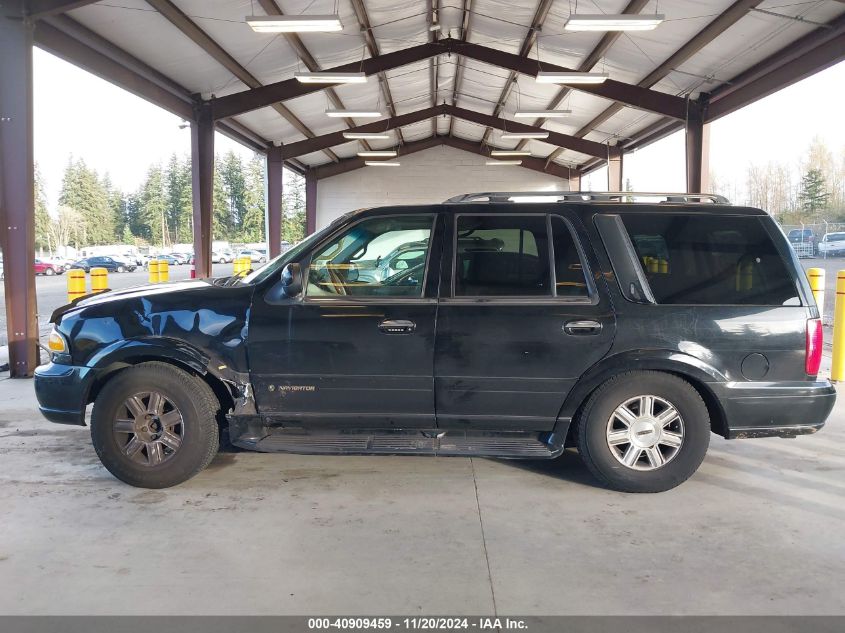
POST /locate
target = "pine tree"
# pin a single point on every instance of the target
(232, 178)
(178, 185)
(814, 195)
(43, 221)
(221, 214)
(152, 202)
(293, 208)
(252, 226)
(83, 192)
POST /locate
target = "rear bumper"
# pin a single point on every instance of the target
(763, 409)
(62, 392)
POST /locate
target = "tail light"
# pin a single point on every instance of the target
(815, 338)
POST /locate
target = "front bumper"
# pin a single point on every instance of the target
(774, 409)
(62, 392)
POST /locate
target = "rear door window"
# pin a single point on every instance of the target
(710, 260)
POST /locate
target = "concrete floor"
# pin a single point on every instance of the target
(759, 530)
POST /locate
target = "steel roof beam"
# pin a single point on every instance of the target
(638, 97)
(583, 146)
(466, 13)
(177, 18)
(39, 9)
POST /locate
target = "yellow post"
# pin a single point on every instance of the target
(837, 367)
(75, 284)
(163, 270)
(236, 266)
(99, 280)
(816, 277)
(664, 266)
(246, 264)
(153, 271)
(653, 265)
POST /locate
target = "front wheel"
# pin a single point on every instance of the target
(121, 269)
(643, 431)
(49, 272)
(154, 425)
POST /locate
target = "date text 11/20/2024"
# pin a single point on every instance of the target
(418, 623)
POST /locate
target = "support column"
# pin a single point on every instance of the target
(202, 173)
(575, 181)
(614, 169)
(310, 203)
(274, 190)
(17, 197)
(697, 154)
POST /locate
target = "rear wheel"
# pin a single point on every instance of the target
(121, 269)
(154, 425)
(643, 431)
(49, 272)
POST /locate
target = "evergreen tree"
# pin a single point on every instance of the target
(117, 205)
(221, 213)
(152, 201)
(43, 221)
(179, 205)
(83, 192)
(252, 227)
(234, 183)
(293, 208)
(814, 195)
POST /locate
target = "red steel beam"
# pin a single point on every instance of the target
(466, 14)
(202, 188)
(273, 213)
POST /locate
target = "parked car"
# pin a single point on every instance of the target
(221, 257)
(47, 267)
(109, 263)
(181, 258)
(525, 329)
(170, 259)
(254, 255)
(803, 241)
(832, 244)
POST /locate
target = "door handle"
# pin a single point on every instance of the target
(582, 327)
(391, 326)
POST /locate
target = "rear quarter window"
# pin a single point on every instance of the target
(710, 260)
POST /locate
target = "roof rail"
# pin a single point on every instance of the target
(586, 196)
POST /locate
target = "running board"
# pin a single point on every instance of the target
(403, 442)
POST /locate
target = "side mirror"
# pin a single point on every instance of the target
(292, 280)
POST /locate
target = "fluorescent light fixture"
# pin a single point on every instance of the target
(510, 152)
(381, 163)
(360, 114)
(491, 163)
(571, 78)
(541, 114)
(331, 78)
(364, 136)
(619, 22)
(524, 135)
(377, 154)
(294, 23)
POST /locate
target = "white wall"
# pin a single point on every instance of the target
(430, 176)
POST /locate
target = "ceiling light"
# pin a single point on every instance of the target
(377, 154)
(363, 136)
(381, 163)
(510, 152)
(331, 78)
(294, 23)
(571, 78)
(542, 114)
(490, 163)
(621, 22)
(524, 135)
(361, 114)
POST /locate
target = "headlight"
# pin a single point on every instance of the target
(56, 343)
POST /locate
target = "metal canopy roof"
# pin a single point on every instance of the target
(461, 84)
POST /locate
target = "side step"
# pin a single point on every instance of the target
(411, 442)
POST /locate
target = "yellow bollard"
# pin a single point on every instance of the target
(246, 264)
(99, 280)
(75, 284)
(236, 266)
(153, 279)
(816, 277)
(664, 266)
(837, 367)
(163, 270)
(653, 265)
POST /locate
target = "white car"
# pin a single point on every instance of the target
(832, 244)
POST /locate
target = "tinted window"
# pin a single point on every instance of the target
(570, 280)
(691, 259)
(351, 265)
(502, 256)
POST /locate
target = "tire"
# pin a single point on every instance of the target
(49, 272)
(121, 269)
(197, 428)
(262, 260)
(598, 419)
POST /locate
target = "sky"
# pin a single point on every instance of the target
(115, 132)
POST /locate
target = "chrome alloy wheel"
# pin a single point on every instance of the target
(148, 428)
(645, 433)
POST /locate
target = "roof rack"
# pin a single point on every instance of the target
(587, 196)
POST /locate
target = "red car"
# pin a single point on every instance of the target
(44, 267)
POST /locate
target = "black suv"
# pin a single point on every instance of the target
(630, 330)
